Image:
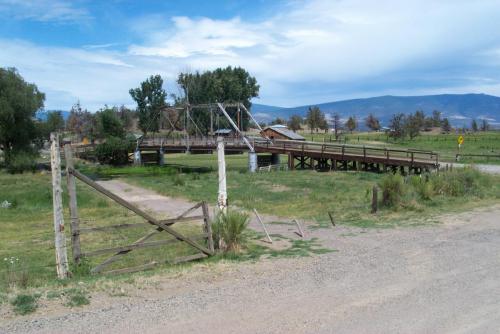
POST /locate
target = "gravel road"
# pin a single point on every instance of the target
(443, 278)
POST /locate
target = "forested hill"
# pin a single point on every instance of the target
(459, 108)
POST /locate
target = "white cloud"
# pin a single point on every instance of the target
(44, 10)
(309, 52)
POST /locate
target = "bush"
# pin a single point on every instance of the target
(24, 304)
(229, 228)
(114, 151)
(392, 187)
(21, 161)
(423, 187)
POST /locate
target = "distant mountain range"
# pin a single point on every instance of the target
(460, 109)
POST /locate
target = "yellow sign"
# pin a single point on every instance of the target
(460, 140)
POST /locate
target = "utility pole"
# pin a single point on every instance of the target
(222, 194)
(60, 239)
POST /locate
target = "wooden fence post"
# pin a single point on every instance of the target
(60, 239)
(73, 206)
(208, 226)
(263, 226)
(375, 199)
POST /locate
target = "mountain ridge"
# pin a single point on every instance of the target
(461, 109)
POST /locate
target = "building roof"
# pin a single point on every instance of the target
(285, 132)
(281, 126)
(223, 131)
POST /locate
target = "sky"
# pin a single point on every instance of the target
(301, 52)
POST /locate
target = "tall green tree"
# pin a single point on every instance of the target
(436, 118)
(230, 84)
(19, 102)
(150, 98)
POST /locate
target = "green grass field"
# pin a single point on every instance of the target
(446, 145)
(303, 194)
(26, 238)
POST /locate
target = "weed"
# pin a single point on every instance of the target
(76, 297)
(229, 228)
(24, 304)
(82, 269)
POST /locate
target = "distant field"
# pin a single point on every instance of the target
(487, 143)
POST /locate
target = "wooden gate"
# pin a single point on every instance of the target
(118, 252)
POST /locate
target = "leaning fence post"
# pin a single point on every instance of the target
(263, 226)
(208, 226)
(301, 232)
(60, 239)
(73, 206)
(375, 199)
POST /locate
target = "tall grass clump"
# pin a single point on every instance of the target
(462, 182)
(228, 230)
(400, 192)
(392, 187)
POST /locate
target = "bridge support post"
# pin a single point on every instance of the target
(137, 157)
(291, 162)
(161, 157)
(275, 159)
(252, 162)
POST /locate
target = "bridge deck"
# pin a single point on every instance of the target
(295, 149)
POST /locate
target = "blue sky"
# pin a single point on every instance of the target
(301, 52)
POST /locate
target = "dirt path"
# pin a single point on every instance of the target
(432, 279)
(169, 207)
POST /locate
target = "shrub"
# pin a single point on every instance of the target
(21, 161)
(24, 304)
(392, 187)
(179, 180)
(423, 188)
(229, 228)
(114, 151)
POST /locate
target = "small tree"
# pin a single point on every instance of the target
(351, 123)
(485, 126)
(109, 124)
(372, 122)
(436, 118)
(295, 123)
(474, 126)
(336, 125)
(397, 125)
(150, 98)
(445, 126)
(314, 118)
(413, 124)
(279, 120)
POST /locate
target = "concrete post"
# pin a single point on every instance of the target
(137, 157)
(252, 162)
